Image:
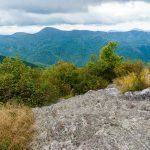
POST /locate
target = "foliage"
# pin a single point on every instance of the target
(129, 66)
(16, 127)
(110, 60)
(66, 76)
(24, 84)
(43, 86)
(89, 81)
(107, 63)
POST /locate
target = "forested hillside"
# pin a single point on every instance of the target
(26, 63)
(50, 45)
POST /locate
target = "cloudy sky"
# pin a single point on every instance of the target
(33, 15)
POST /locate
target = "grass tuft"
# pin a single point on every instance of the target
(16, 127)
(134, 81)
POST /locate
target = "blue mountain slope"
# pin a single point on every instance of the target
(50, 45)
(27, 63)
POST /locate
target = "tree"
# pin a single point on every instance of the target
(109, 60)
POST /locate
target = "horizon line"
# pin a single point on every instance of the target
(68, 30)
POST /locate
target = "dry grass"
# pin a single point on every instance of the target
(133, 81)
(16, 127)
(145, 76)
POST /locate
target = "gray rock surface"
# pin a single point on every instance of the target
(97, 120)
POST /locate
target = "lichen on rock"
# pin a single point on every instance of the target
(98, 120)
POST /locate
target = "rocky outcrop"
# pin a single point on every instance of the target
(142, 95)
(98, 120)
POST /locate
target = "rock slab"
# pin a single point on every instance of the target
(98, 120)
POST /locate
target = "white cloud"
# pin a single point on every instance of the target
(13, 29)
(68, 27)
(90, 14)
(117, 27)
(112, 13)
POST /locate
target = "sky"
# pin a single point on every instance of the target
(97, 15)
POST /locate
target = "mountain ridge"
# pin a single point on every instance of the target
(57, 29)
(50, 45)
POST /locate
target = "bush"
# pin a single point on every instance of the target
(45, 93)
(16, 127)
(65, 76)
(106, 65)
(129, 67)
(25, 84)
(88, 81)
(109, 61)
(6, 86)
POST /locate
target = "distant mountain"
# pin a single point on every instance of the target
(50, 45)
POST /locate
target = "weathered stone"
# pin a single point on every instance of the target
(98, 120)
(141, 95)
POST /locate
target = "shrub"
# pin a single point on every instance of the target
(16, 127)
(64, 76)
(109, 61)
(6, 86)
(67, 76)
(15, 80)
(45, 93)
(25, 84)
(129, 67)
(88, 81)
(105, 66)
